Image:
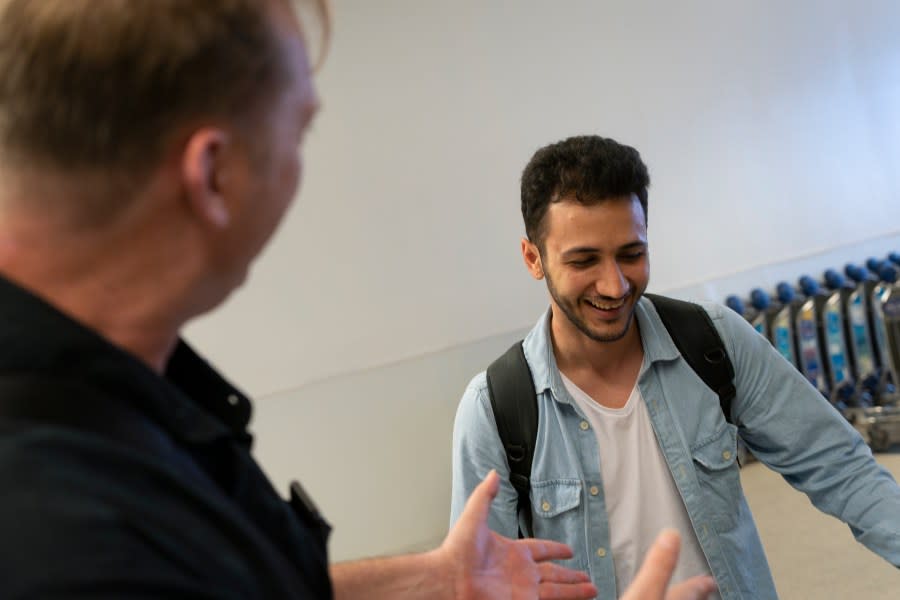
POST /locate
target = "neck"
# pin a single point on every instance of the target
(126, 282)
(577, 353)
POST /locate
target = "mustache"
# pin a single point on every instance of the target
(601, 298)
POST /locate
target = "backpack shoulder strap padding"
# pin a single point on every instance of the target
(700, 344)
(514, 403)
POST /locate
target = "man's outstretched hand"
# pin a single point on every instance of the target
(488, 565)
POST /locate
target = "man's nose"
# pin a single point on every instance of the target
(611, 282)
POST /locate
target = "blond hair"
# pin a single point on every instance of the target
(102, 84)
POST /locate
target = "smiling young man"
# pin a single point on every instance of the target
(629, 439)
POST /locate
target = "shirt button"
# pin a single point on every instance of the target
(233, 399)
(584, 425)
(726, 455)
(545, 506)
(594, 490)
(601, 552)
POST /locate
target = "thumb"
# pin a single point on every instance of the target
(653, 577)
(479, 503)
(695, 588)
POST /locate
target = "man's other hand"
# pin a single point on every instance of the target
(653, 577)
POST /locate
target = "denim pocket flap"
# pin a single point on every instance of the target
(551, 498)
(718, 452)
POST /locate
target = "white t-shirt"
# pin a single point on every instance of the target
(641, 497)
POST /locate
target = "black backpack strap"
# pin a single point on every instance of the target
(700, 344)
(514, 403)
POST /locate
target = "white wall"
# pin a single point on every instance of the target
(373, 447)
(772, 134)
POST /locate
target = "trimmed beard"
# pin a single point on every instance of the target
(572, 314)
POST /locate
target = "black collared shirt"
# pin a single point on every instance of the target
(116, 482)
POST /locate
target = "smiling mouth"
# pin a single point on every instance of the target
(607, 305)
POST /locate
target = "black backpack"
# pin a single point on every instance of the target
(510, 386)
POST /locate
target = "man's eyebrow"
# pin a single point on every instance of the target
(580, 250)
(635, 245)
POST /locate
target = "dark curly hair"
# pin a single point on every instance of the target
(588, 169)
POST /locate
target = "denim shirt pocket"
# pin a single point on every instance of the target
(715, 461)
(557, 515)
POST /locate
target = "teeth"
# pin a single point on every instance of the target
(606, 306)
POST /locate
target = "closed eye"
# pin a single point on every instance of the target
(584, 262)
(632, 256)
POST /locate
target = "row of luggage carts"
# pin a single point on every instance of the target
(843, 333)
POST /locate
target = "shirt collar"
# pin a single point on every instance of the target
(191, 400)
(538, 347)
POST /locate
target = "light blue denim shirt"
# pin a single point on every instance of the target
(787, 424)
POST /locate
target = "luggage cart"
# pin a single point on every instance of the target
(879, 426)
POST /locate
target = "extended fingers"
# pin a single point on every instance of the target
(542, 550)
(561, 583)
(567, 591)
(695, 588)
(558, 582)
(554, 573)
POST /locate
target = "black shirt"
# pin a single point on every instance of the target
(117, 482)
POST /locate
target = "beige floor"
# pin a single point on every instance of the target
(811, 554)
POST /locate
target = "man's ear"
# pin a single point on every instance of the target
(204, 174)
(532, 257)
